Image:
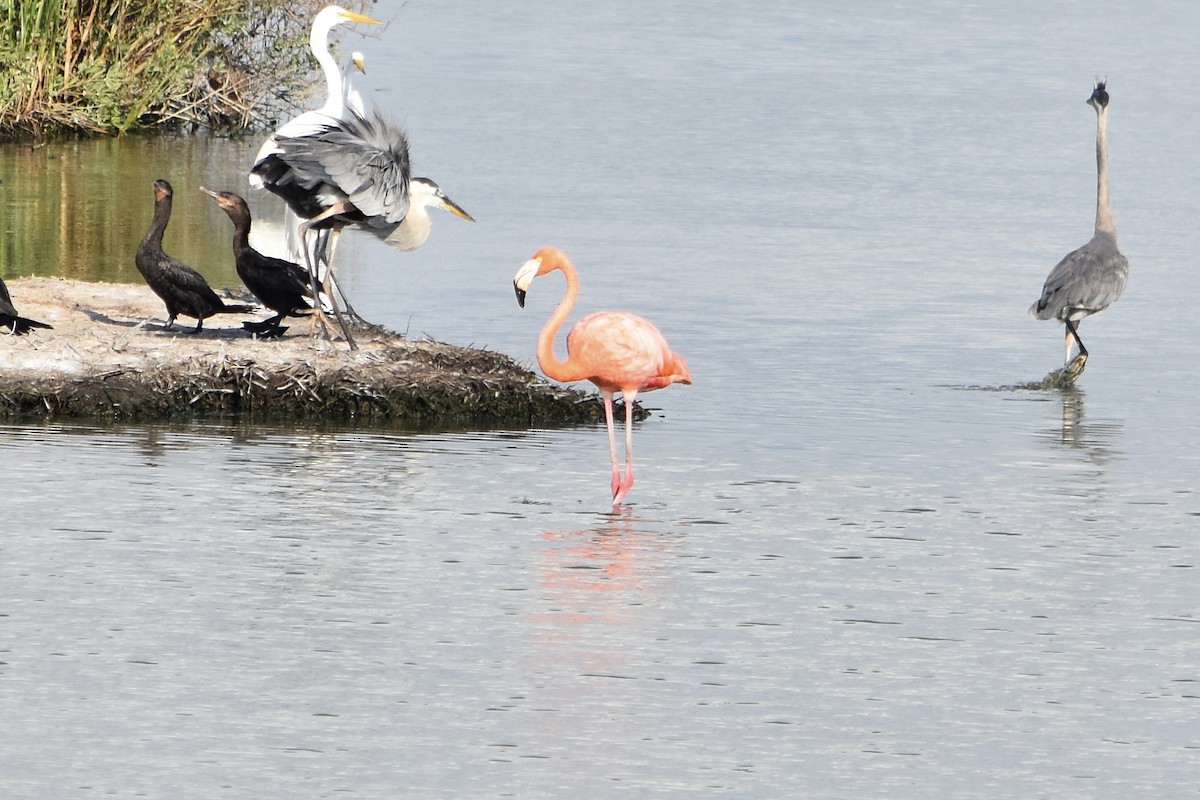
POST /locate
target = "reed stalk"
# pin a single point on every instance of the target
(111, 66)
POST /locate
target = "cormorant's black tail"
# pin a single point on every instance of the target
(23, 325)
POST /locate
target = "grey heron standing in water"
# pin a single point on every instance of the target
(1090, 279)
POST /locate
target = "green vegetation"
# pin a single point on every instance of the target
(110, 66)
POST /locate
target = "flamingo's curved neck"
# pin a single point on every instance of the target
(563, 371)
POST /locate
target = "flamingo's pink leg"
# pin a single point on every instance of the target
(612, 442)
(627, 483)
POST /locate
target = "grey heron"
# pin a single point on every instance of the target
(358, 171)
(1089, 279)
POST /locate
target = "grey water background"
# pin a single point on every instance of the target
(857, 562)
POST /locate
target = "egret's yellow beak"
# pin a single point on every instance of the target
(356, 17)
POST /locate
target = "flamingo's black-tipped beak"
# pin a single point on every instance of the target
(524, 277)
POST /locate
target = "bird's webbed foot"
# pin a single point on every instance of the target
(266, 329)
(1063, 378)
(1073, 370)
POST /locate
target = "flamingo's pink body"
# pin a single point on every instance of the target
(616, 350)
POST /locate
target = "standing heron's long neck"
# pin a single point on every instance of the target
(1104, 219)
(559, 370)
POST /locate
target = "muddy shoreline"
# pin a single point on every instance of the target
(109, 358)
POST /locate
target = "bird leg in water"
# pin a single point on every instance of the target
(627, 482)
(1073, 333)
(612, 444)
(1065, 378)
(620, 486)
(1073, 370)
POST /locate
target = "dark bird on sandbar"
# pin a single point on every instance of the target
(279, 285)
(8, 315)
(182, 289)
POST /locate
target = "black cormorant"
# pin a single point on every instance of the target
(279, 285)
(182, 289)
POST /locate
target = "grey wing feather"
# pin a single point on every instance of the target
(1087, 280)
(365, 158)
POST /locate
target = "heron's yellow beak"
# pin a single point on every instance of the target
(455, 209)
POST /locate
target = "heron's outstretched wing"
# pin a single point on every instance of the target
(365, 158)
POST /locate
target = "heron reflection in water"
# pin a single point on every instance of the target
(1096, 439)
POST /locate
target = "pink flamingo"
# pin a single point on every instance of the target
(616, 350)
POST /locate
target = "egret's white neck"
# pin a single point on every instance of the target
(334, 97)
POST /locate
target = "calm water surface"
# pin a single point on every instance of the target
(857, 563)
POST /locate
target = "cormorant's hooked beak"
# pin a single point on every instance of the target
(215, 196)
(454, 208)
(524, 277)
